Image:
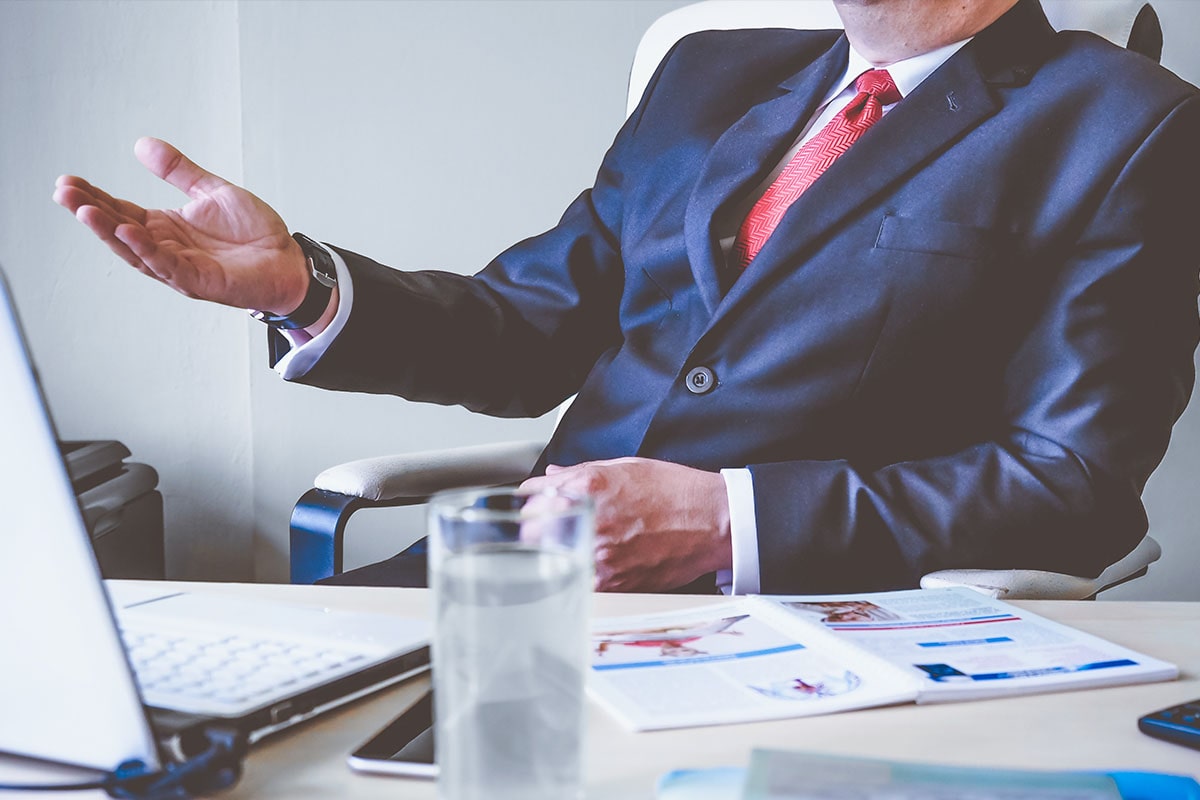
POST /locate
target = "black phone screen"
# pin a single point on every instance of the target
(404, 747)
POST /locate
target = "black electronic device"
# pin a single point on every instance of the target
(1179, 724)
(404, 747)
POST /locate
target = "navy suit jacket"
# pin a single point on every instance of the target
(964, 346)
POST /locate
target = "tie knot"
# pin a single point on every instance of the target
(879, 83)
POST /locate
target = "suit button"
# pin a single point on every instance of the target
(700, 380)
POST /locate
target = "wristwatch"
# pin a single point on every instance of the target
(322, 279)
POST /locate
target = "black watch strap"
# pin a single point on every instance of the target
(321, 280)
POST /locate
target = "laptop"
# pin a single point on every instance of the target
(96, 675)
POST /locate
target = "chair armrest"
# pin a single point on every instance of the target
(1030, 584)
(419, 475)
(318, 527)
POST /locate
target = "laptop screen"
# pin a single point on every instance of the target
(65, 685)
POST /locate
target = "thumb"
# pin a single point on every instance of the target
(165, 161)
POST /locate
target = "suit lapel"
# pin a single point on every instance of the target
(744, 154)
(949, 103)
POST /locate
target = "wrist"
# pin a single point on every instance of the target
(719, 523)
(297, 282)
(309, 309)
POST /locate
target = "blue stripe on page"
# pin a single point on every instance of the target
(966, 642)
(916, 623)
(1033, 673)
(671, 662)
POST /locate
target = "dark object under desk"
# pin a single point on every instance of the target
(121, 506)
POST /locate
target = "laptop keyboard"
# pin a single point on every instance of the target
(198, 671)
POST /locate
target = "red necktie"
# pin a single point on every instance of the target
(875, 90)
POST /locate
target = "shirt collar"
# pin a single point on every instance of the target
(907, 73)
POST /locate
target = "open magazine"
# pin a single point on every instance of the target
(772, 657)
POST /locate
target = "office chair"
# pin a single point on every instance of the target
(319, 518)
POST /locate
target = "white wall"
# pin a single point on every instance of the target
(361, 123)
(122, 357)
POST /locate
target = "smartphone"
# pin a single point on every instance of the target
(1179, 724)
(404, 747)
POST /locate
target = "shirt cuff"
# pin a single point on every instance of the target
(307, 350)
(743, 531)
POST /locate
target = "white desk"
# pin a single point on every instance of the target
(1094, 729)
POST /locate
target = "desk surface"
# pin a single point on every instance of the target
(1093, 729)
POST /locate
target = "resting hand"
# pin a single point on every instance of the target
(658, 525)
(225, 245)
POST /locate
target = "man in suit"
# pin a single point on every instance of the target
(959, 340)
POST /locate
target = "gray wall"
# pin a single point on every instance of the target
(364, 124)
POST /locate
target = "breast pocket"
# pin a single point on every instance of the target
(936, 238)
(945, 287)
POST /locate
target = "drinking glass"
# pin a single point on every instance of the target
(511, 575)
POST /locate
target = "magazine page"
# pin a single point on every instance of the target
(961, 644)
(725, 663)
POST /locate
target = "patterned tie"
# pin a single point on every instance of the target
(875, 90)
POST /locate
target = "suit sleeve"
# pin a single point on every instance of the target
(1089, 400)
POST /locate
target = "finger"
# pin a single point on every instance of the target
(539, 483)
(567, 481)
(556, 476)
(70, 189)
(73, 194)
(73, 198)
(165, 161)
(70, 198)
(104, 227)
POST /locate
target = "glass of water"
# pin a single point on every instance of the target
(511, 574)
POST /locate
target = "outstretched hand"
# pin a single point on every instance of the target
(225, 245)
(658, 525)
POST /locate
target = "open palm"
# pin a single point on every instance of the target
(225, 245)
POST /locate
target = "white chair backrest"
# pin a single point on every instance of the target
(1112, 19)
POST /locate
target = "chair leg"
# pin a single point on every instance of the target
(318, 532)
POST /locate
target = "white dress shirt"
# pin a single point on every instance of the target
(739, 486)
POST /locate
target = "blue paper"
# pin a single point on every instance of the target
(1155, 786)
(725, 783)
